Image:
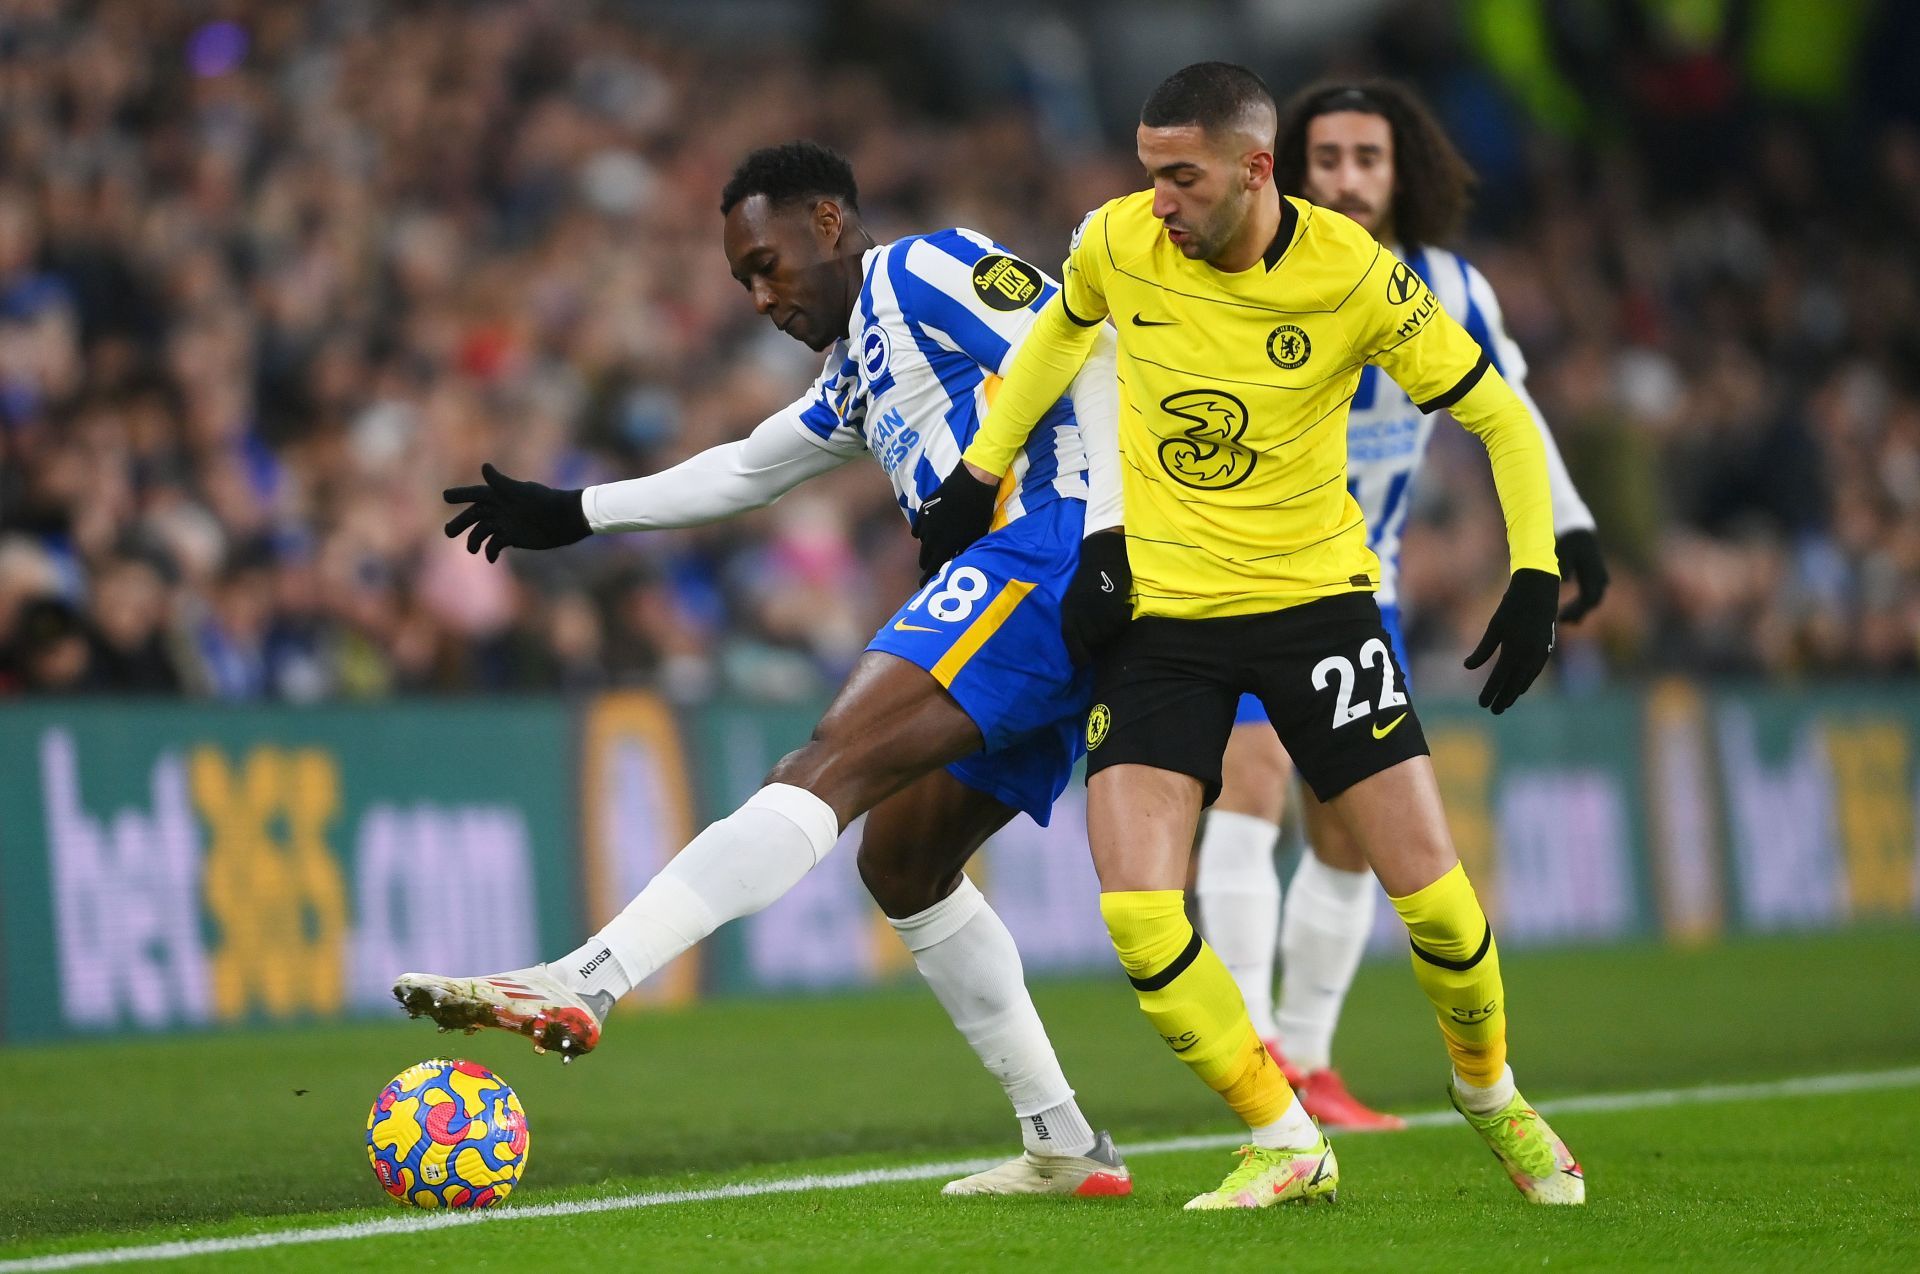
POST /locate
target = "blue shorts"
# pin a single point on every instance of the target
(1250, 711)
(987, 627)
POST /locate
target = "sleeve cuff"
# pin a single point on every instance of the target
(1460, 390)
(1075, 318)
(988, 458)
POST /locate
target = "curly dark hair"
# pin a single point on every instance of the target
(1432, 185)
(793, 170)
(1213, 95)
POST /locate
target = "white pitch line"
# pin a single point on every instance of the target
(1591, 1103)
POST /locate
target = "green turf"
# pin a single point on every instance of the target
(193, 1136)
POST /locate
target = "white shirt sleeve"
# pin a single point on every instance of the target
(1096, 405)
(1570, 512)
(722, 481)
(818, 431)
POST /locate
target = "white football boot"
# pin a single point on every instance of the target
(529, 1002)
(1098, 1172)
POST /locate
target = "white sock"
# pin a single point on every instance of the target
(1485, 1101)
(967, 956)
(738, 865)
(1323, 930)
(1238, 888)
(1294, 1130)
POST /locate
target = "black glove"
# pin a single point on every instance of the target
(1099, 602)
(952, 518)
(1522, 628)
(510, 514)
(1580, 561)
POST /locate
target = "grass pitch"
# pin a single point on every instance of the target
(198, 1137)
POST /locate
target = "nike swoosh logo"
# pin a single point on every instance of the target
(1106, 585)
(1299, 1170)
(1147, 322)
(1381, 732)
(902, 626)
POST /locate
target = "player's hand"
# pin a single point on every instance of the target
(1099, 601)
(509, 514)
(1522, 630)
(953, 517)
(1580, 561)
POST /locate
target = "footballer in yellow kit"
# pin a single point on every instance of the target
(1235, 561)
(1235, 390)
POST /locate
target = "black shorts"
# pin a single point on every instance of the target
(1164, 694)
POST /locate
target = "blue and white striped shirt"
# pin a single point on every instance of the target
(1387, 434)
(937, 321)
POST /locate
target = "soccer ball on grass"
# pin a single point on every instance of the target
(447, 1134)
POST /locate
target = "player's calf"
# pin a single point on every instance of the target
(906, 880)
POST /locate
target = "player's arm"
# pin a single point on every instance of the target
(720, 482)
(957, 514)
(1056, 348)
(798, 442)
(1576, 543)
(1051, 351)
(1442, 368)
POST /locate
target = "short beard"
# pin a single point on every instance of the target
(1221, 227)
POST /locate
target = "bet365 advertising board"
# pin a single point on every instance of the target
(172, 866)
(1676, 814)
(169, 866)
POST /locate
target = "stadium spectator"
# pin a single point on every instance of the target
(269, 282)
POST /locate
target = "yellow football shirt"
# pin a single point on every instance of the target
(1234, 391)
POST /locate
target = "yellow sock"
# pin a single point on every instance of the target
(1191, 999)
(1458, 966)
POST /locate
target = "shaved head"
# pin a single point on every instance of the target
(1219, 98)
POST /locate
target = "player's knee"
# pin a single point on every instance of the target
(1333, 844)
(801, 767)
(836, 774)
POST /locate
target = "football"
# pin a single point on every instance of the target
(447, 1134)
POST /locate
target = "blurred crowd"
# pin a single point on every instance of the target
(273, 274)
